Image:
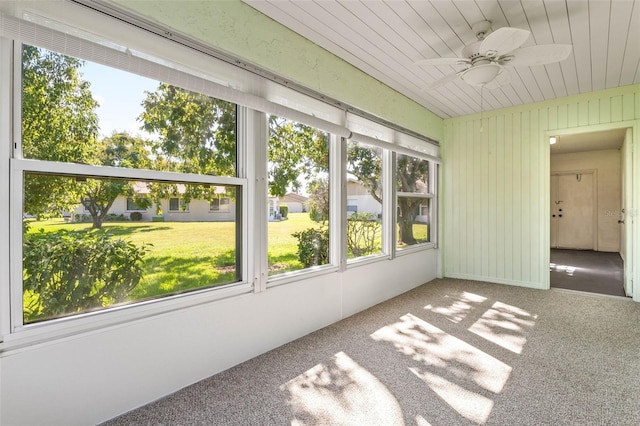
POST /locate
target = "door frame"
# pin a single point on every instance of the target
(632, 221)
(627, 216)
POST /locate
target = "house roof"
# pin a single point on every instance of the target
(292, 197)
(141, 187)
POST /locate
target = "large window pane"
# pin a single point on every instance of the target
(82, 112)
(298, 234)
(87, 251)
(413, 200)
(364, 200)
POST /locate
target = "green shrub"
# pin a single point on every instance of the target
(68, 272)
(135, 216)
(362, 232)
(81, 218)
(313, 246)
(284, 211)
(112, 217)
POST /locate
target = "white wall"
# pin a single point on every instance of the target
(608, 203)
(495, 199)
(94, 376)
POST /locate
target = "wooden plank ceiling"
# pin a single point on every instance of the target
(384, 38)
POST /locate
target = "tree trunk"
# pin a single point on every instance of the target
(97, 221)
(406, 231)
(406, 217)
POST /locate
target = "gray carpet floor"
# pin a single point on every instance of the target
(450, 352)
(587, 270)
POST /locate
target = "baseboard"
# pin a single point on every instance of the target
(496, 280)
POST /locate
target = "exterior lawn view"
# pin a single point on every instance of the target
(126, 240)
(182, 256)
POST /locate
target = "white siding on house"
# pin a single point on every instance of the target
(295, 202)
(358, 196)
(198, 211)
(294, 207)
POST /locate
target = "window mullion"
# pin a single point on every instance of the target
(15, 242)
(6, 106)
(338, 201)
(434, 209)
(257, 137)
(389, 221)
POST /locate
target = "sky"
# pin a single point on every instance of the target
(120, 95)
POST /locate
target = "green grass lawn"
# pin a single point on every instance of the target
(188, 255)
(183, 256)
(283, 246)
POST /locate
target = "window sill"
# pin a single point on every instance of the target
(48, 331)
(294, 276)
(366, 260)
(415, 248)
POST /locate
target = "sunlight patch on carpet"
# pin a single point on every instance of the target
(341, 392)
(505, 325)
(457, 307)
(459, 373)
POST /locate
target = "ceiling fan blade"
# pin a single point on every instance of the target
(539, 55)
(503, 41)
(441, 82)
(503, 78)
(442, 61)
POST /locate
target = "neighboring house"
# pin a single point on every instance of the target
(220, 208)
(273, 209)
(297, 203)
(359, 200)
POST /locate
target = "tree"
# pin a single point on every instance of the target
(410, 172)
(366, 165)
(58, 124)
(119, 150)
(197, 133)
(319, 200)
(296, 152)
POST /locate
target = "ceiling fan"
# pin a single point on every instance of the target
(487, 57)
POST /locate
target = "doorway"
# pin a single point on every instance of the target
(587, 194)
(573, 218)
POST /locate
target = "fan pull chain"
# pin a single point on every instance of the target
(481, 108)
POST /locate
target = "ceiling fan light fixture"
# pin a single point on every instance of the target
(480, 75)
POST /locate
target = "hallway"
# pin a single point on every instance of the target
(587, 270)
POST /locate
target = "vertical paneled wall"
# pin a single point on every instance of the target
(496, 182)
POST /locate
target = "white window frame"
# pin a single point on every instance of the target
(14, 332)
(235, 85)
(127, 209)
(183, 207)
(335, 220)
(431, 195)
(387, 251)
(222, 207)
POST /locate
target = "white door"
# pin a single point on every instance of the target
(554, 211)
(573, 211)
